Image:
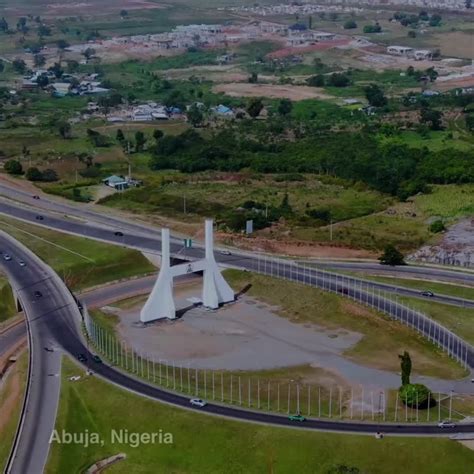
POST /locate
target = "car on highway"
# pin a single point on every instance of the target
(225, 252)
(119, 234)
(97, 359)
(21, 263)
(7, 257)
(39, 218)
(197, 402)
(38, 294)
(297, 417)
(427, 293)
(36, 196)
(446, 424)
(48, 349)
(81, 358)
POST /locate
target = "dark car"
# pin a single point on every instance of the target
(36, 197)
(427, 293)
(119, 234)
(97, 359)
(81, 358)
(38, 294)
(39, 218)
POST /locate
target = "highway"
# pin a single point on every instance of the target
(150, 242)
(53, 321)
(50, 318)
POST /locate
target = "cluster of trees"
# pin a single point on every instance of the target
(393, 168)
(34, 174)
(376, 28)
(413, 20)
(336, 79)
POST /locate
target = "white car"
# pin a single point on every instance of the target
(75, 378)
(21, 263)
(446, 424)
(7, 257)
(225, 252)
(197, 402)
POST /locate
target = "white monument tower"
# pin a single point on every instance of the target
(215, 291)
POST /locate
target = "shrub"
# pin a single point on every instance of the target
(437, 226)
(13, 167)
(415, 394)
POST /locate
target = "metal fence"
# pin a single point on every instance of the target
(370, 294)
(267, 394)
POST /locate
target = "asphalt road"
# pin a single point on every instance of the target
(152, 243)
(49, 319)
(54, 328)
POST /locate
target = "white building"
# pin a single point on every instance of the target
(400, 51)
(423, 54)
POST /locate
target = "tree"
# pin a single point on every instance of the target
(433, 118)
(42, 80)
(195, 115)
(2, 66)
(437, 226)
(435, 20)
(253, 78)
(140, 140)
(120, 136)
(285, 107)
(254, 107)
(123, 13)
(13, 167)
(19, 65)
(372, 28)
(89, 53)
(49, 175)
(39, 60)
(316, 81)
(415, 395)
(350, 24)
(391, 256)
(62, 44)
(405, 366)
(375, 95)
(412, 34)
(3, 25)
(44, 30)
(157, 134)
(56, 70)
(339, 80)
(33, 174)
(470, 122)
(64, 129)
(468, 4)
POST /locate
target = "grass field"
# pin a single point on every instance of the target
(229, 446)
(459, 320)
(92, 263)
(422, 285)
(383, 338)
(11, 399)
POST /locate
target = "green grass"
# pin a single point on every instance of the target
(434, 141)
(383, 339)
(459, 320)
(96, 263)
(7, 301)
(422, 285)
(225, 445)
(10, 414)
(211, 193)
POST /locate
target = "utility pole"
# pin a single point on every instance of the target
(330, 230)
(184, 204)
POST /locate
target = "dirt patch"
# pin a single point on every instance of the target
(295, 248)
(272, 91)
(321, 46)
(456, 248)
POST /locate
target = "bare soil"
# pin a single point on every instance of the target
(272, 91)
